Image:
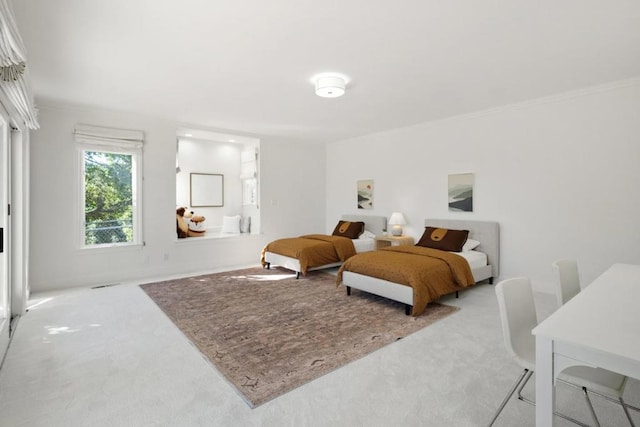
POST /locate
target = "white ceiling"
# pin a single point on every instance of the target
(245, 65)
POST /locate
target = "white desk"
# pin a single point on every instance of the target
(599, 327)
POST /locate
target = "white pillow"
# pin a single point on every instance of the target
(231, 224)
(245, 224)
(469, 245)
(366, 234)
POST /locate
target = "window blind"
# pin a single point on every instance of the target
(248, 164)
(111, 137)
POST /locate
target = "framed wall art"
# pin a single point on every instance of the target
(207, 189)
(365, 194)
(461, 192)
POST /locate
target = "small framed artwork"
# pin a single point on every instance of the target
(207, 189)
(461, 192)
(365, 194)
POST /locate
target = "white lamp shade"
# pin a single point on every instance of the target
(330, 87)
(397, 219)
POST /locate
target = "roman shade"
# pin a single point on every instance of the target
(248, 164)
(109, 137)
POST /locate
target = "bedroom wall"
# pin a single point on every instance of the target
(559, 174)
(292, 183)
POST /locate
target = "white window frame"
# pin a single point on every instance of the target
(250, 192)
(93, 138)
(249, 176)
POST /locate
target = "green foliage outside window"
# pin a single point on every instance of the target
(108, 198)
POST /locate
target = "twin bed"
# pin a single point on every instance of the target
(315, 252)
(384, 272)
(414, 275)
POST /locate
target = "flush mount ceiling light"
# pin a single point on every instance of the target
(329, 85)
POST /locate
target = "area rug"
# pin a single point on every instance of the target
(269, 333)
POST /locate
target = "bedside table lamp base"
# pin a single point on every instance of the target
(396, 222)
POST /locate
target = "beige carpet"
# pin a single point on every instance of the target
(269, 333)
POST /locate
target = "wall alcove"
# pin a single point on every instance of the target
(217, 176)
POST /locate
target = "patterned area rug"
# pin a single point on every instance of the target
(269, 333)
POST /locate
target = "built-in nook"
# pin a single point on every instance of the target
(217, 176)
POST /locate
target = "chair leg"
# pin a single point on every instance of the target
(626, 412)
(556, 413)
(620, 401)
(524, 383)
(526, 374)
(626, 405)
(604, 396)
(593, 412)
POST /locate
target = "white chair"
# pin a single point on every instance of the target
(567, 280)
(518, 316)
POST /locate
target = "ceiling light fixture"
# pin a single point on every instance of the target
(330, 85)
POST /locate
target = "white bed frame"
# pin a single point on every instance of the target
(486, 232)
(375, 224)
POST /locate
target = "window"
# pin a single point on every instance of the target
(248, 175)
(250, 191)
(110, 178)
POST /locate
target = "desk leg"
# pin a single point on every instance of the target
(545, 391)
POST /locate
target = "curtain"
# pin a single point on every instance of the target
(12, 49)
(15, 83)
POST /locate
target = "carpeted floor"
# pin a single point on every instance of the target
(269, 333)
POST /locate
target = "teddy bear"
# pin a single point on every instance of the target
(186, 226)
(196, 223)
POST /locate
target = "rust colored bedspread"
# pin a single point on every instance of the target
(312, 250)
(430, 272)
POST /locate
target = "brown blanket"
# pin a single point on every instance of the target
(430, 272)
(312, 250)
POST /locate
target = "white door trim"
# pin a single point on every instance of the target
(5, 223)
(19, 221)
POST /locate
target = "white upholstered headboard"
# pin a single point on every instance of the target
(486, 232)
(375, 224)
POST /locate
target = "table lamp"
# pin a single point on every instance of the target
(397, 221)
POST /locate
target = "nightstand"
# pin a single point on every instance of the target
(384, 241)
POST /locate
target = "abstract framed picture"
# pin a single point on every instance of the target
(365, 194)
(461, 192)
